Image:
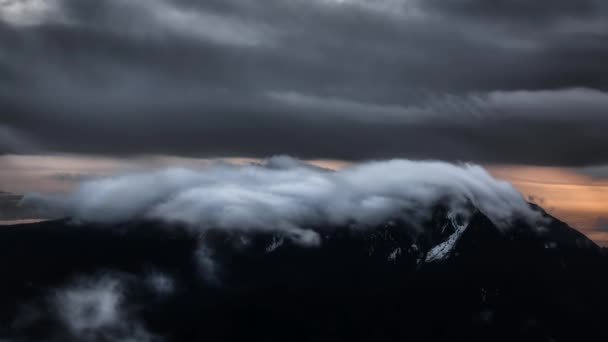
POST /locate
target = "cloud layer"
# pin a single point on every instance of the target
(460, 80)
(289, 196)
(94, 309)
(86, 308)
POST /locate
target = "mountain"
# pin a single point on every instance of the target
(11, 209)
(9, 206)
(457, 278)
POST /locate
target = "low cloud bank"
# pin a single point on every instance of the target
(96, 310)
(290, 196)
(89, 308)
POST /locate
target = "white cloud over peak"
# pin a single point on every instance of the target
(290, 196)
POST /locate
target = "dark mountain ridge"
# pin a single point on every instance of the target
(458, 278)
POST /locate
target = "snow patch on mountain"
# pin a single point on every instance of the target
(443, 250)
(394, 254)
(276, 243)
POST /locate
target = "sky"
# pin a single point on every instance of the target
(90, 87)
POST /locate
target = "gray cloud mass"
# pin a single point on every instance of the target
(511, 81)
(94, 309)
(88, 308)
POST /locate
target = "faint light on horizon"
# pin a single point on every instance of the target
(566, 193)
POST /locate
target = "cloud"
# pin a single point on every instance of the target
(14, 141)
(12, 210)
(90, 308)
(27, 12)
(366, 79)
(602, 224)
(597, 172)
(289, 196)
(95, 309)
(160, 283)
(72, 177)
(516, 11)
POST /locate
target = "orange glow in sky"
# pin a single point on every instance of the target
(578, 199)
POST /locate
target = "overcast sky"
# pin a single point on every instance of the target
(505, 81)
(90, 87)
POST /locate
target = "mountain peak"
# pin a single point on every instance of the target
(457, 267)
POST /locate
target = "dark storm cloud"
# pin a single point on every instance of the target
(90, 308)
(598, 172)
(72, 177)
(13, 141)
(513, 82)
(518, 11)
(602, 224)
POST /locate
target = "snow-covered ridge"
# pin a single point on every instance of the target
(394, 254)
(443, 250)
(277, 241)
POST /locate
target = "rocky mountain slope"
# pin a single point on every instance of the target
(457, 277)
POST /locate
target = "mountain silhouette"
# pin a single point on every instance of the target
(457, 277)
